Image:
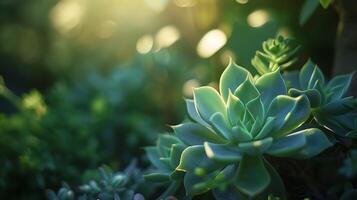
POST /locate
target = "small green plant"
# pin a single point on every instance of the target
(329, 104)
(330, 107)
(277, 53)
(109, 186)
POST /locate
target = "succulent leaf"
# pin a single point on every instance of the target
(208, 102)
(222, 152)
(271, 85)
(193, 113)
(194, 157)
(196, 134)
(316, 142)
(285, 146)
(235, 109)
(221, 126)
(232, 76)
(246, 91)
(338, 86)
(289, 113)
(255, 148)
(310, 76)
(313, 95)
(252, 178)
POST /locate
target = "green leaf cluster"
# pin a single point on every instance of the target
(233, 129)
(109, 186)
(277, 53)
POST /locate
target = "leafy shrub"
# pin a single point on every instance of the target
(78, 125)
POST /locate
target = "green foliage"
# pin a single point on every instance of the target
(330, 107)
(119, 185)
(277, 53)
(234, 129)
(349, 168)
(81, 124)
(309, 8)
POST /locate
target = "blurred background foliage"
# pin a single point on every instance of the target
(90, 82)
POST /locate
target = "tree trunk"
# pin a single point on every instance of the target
(346, 42)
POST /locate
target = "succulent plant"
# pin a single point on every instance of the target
(277, 53)
(117, 186)
(330, 107)
(237, 126)
(64, 193)
(165, 157)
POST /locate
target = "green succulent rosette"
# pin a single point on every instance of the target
(238, 125)
(330, 106)
(278, 53)
(165, 157)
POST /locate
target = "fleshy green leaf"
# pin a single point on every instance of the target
(289, 113)
(325, 3)
(287, 145)
(241, 134)
(256, 108)
(175, 154)
(307, 10)
(232, 76)
(195, 157)
(246, 91)
(165, 142)
(221, 126)
(235, 109)
(310, 76)
(316, 142)
(154, 157)
(312, 94)
(193, 113)
(195, 185)
(208, 102)
(270, 85)
(338, 86)
(255, 147)
(157, 177)
(291, 79)
(267, 128)
(222, 152)
(196, 134)
(252, 177)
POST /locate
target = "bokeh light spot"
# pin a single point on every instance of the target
(211, 42)
(166, 36)
(242, 1)
(258, 18)
(66, 15)
(145, 44)
(185, 3)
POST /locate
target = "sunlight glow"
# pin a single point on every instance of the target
(166, 36)
(157, 5)
(258, 18)
(242, 1)
(145, 44)
(185, 3)
(211, 42)
(66, 15)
